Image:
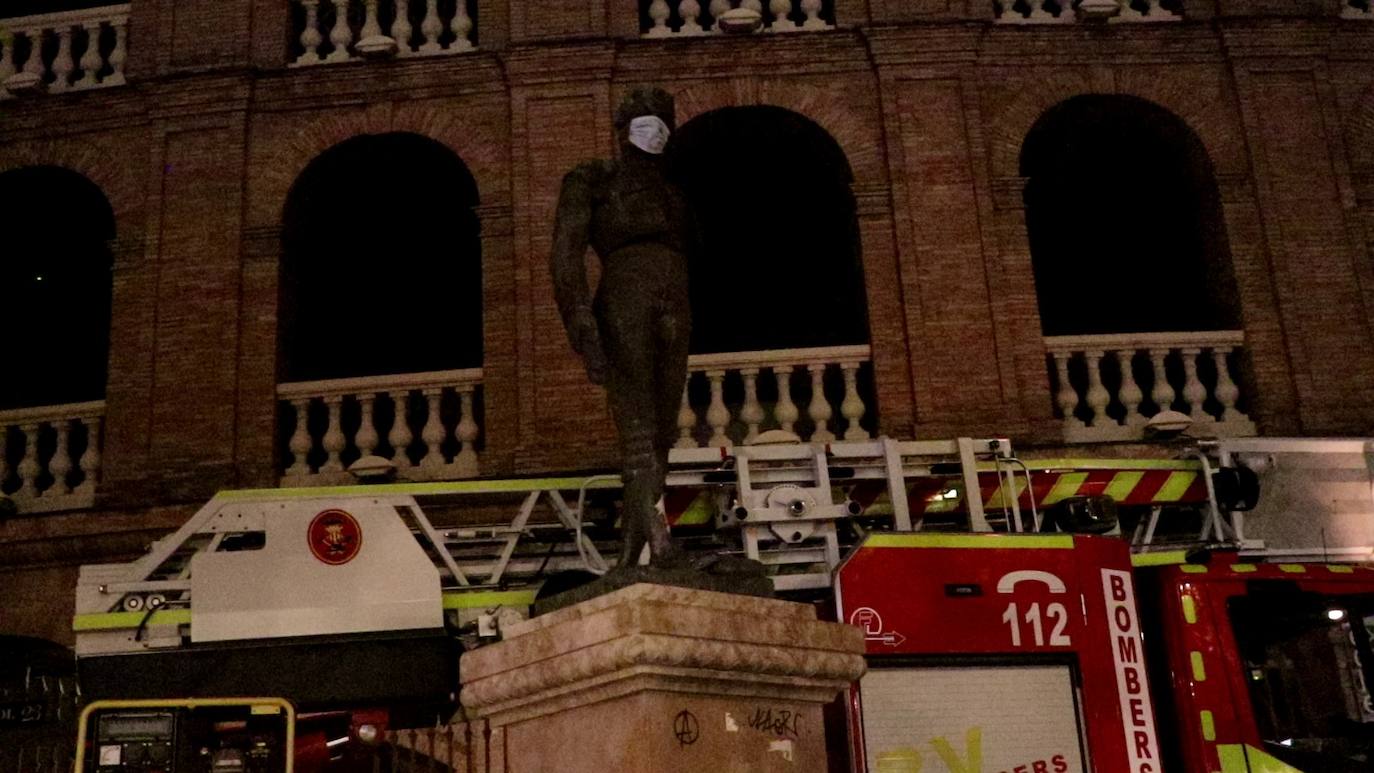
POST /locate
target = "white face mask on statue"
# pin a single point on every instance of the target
(648, 133)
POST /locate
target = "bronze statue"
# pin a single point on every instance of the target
(633, 336)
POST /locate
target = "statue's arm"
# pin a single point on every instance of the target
(571, 227)
(567, 264)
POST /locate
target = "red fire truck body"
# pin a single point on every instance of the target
(1243, 653)
(1015, 653)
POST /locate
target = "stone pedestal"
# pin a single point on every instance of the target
(658, 678)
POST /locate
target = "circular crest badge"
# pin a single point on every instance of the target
(335, 537)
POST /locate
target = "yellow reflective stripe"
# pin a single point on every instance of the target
(1339, 569)
(995, 541)
(1244, 758)
(1189, 608)
(1209, 726)
(1244, 568)
(1050, 465)
(698, 513)
(111, 620)
(1162, 558)
(999, 501)
(1292, 568)
(480, 599)
(1123, 483)
(509, 485)
(1175, 487)
(1193, 569)
(1065, 487)
(1199, 673)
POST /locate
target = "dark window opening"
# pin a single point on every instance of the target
(382, 268)
(1309, 668)
(55, 269)
(1125, 222)
(780, 263)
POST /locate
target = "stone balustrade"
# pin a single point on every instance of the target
(819, 394)
(1107, 387)
(330, 31)
(1070, 11)
(664, 18)
(426, 424)
(50, 455)
(1358, 9)
(64, 51)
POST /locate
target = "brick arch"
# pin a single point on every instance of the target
(1208, 111)
(281, 152)
(831, 107)
(113, 178)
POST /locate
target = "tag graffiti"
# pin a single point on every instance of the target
(944, 757)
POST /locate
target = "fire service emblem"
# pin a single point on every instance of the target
(335, 537)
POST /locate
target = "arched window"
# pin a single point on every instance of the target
(779, 269)
(55, 271)
(1125, 221)
(382, 270)
(780, 265)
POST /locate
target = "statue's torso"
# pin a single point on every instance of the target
(635, 210)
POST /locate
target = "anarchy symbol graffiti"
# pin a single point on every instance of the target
(685, 728)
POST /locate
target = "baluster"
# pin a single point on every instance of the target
(754, 5)
(333, 440)
(310, 36)
(89, 463)
(690, 11)
(1162, 393)
(812, 10)
(340, 35)
(780, 10)
(6, 62)
(717, 415)
(1193, 390)
(62, 64)
(366, 437)
(117, 54)
(1227, 392)
(90, 59)
(659, 13)
(819, 409)
(433, 432)
(28, 464)
(400, 436)
(60, 465)
(370, 37)
(686, 422)
(462, 28)
(1040, 12)
(852, 408)
(32, 74)
(751, 413)
(300, 442)
(467, 430)
(785, 411)
(718, 7)
(431, 27)
(1067, 397)
(401, 30)
(1097, 396)
(1130, 394)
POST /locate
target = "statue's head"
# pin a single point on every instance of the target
(645, 118)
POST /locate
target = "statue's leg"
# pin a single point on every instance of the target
(627, 336)
(672, 333)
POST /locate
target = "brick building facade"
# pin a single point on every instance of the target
(930, 101)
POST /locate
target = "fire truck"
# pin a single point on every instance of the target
(1021, 615)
